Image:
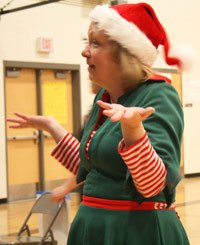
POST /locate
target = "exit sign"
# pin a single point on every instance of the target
(44, 45)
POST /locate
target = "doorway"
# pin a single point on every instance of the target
(38, 89)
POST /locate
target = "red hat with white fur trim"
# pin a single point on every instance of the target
(136, 28)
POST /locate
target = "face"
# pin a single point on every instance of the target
(102, 67)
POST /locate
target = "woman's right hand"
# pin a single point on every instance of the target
(26, 121)
(48, 124)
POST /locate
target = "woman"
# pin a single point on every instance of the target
(129, 154)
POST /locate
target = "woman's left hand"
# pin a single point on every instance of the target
(129, 116)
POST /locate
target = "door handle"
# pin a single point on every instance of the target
(34, 136)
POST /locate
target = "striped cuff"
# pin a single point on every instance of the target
(146, 167)
(67, 153)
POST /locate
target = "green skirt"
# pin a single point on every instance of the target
(97, 226)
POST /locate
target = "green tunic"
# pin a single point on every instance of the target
(106, 175)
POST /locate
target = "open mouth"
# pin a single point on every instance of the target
(91, 67)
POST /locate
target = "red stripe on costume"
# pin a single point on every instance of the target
(153, 185)
(67, 153)
(75, 169)
(154, 191)
(68, 149)
(70, 152)
(134, 147)
(142, 157)
(148, 185)
(146, 167)
(54, 152)
(124, 204)
(74, 164)
(160, 77)
(150, 173)
(61, 147)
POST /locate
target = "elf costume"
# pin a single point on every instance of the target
(129, 193)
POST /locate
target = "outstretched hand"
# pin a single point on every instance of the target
(130, 117)
(48, 124)
(26, 121)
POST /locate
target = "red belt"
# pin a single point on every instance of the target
(124, 204)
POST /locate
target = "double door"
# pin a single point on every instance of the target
(44, 92)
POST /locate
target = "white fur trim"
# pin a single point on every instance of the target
(125, 33)
(186, 54)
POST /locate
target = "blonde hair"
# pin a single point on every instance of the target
(133, 71)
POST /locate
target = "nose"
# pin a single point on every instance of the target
(86, 52)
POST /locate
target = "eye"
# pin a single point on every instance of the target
(94, 43)
(85, 41)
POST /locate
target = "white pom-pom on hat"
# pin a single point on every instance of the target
(185, 54)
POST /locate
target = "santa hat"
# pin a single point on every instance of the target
(136, 28)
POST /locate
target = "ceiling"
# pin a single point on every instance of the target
(8, 6)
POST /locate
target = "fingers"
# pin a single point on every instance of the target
(17, 123)
(146, 112)
(20, 115)
(18, 126)
(149, 111)
(59, 193)
(21, 121)
(56, 198)
(20, 118)
(117, 115)
(114, 111)
(104, 105)
(15, 120)
(117, 112)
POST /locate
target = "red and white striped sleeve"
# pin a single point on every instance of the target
(146, 167)
(67, 153)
